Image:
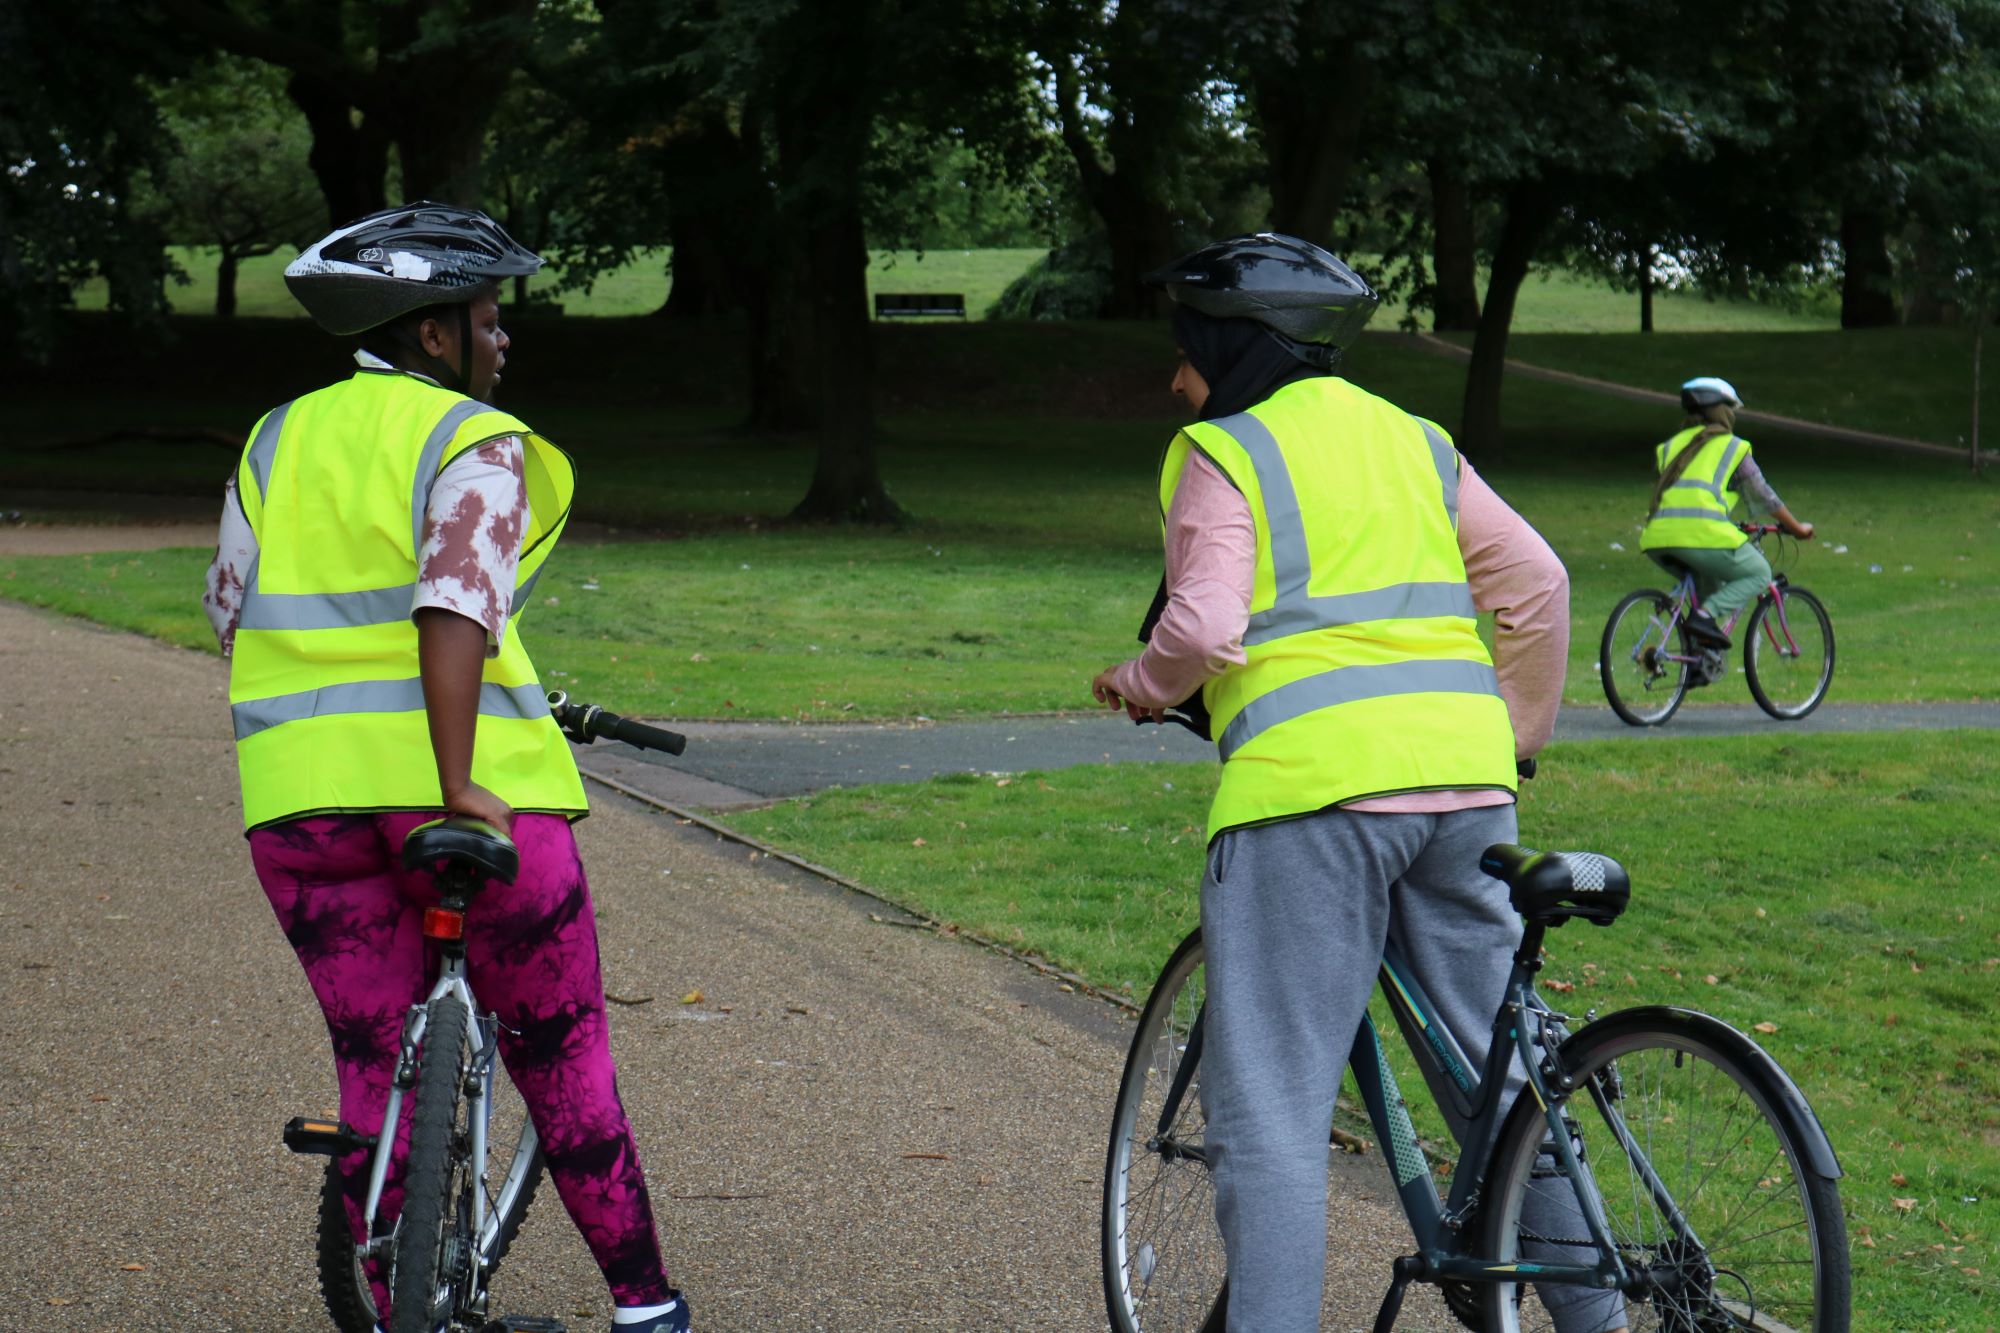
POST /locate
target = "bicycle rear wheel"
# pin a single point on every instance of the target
(1718, 1187)
(1642, 681)
(514, 1172)
(432, 1259)
(1164, 1270)
(1788, 654)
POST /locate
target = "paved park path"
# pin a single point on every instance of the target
(857, 1127)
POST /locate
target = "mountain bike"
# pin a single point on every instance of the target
(1657, 1156)
(466, 1187)
(1648, 660)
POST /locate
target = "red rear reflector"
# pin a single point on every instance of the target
(441, 924)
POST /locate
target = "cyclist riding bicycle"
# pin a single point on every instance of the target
(378, 542)
(1327, 554)
(1702, 467)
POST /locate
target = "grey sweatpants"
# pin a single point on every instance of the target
(1294, 916)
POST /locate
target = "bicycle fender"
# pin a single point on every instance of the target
(1712, 1031)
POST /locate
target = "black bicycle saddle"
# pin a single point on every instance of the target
(1552, 887)
(466, 841)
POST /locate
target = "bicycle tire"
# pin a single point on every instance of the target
(427, 1248)
(1173, 1190)
(1761, 654)
(1633, 699)
(1764, 1242)
(343, 1282)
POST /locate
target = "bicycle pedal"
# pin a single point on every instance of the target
(324, 1138)
(525, 1323)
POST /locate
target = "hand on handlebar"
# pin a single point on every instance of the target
(1102, 691)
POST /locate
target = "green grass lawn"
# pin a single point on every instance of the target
(1035, 545)
(1550, 301)
(637, 288)
(1839, 887)
(1914, 383)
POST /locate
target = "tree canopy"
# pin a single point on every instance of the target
(768, 145)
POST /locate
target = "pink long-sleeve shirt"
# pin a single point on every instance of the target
(1211, 566)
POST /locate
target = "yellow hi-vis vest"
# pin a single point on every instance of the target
(324, 687)
(1694, 511)
(1366, 674)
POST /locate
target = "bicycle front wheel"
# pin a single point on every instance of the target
(1788, 654)
(1642, 665)
(1164, 1270)
(1718, 1188)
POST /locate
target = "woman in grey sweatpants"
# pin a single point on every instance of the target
(1381, 834)
(1294, 916)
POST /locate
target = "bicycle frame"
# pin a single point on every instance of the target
(1686, 603)
(480, 1033)
(1523, 1026)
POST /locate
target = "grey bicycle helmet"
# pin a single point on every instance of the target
(401, 260)
(1309, 301)
(1708, 391)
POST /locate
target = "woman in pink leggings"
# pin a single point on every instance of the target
(377, 540)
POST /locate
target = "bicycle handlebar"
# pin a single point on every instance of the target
(584, 723)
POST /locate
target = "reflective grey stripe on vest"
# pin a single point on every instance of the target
(1346, 685)
(377, 696)
(325, 610)
(265, 447)
(432, 459)
(1293, 610)
(1715, 485)
(1400, 601)
(1446, 459)
(1718, 516)
(521, 593)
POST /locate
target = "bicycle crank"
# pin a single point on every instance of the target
(524, 1323)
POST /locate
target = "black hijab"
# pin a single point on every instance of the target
(1241, 361)
(1243, 365)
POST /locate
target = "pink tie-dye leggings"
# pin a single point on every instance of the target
(354, 916)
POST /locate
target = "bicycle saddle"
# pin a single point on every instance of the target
(462, 840)
(1552, 887)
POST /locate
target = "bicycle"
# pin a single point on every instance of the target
(1666, 1156)
(1648, 660)
(465, 1192)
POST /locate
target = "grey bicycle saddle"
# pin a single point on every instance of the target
(1552, 887)
(466, 841)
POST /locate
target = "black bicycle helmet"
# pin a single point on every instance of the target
(400, 260)
(1309, 301)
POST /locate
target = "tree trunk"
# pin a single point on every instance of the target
(1454, 253)
(225, 283)
(847, 480)
(718, 211)
(1310, 114)
(1646, 290)
(825, 120)
(1978, 344)
(1867, 286)
(1530, 207)
(348, 160)
(1138, 227)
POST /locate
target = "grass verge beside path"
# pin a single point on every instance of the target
(1839, 887)
(1912, 383)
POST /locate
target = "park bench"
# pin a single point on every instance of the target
(896, 305)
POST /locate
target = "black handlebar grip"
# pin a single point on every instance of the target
(639, 734)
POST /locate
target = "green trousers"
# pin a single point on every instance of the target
(1728, 580)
